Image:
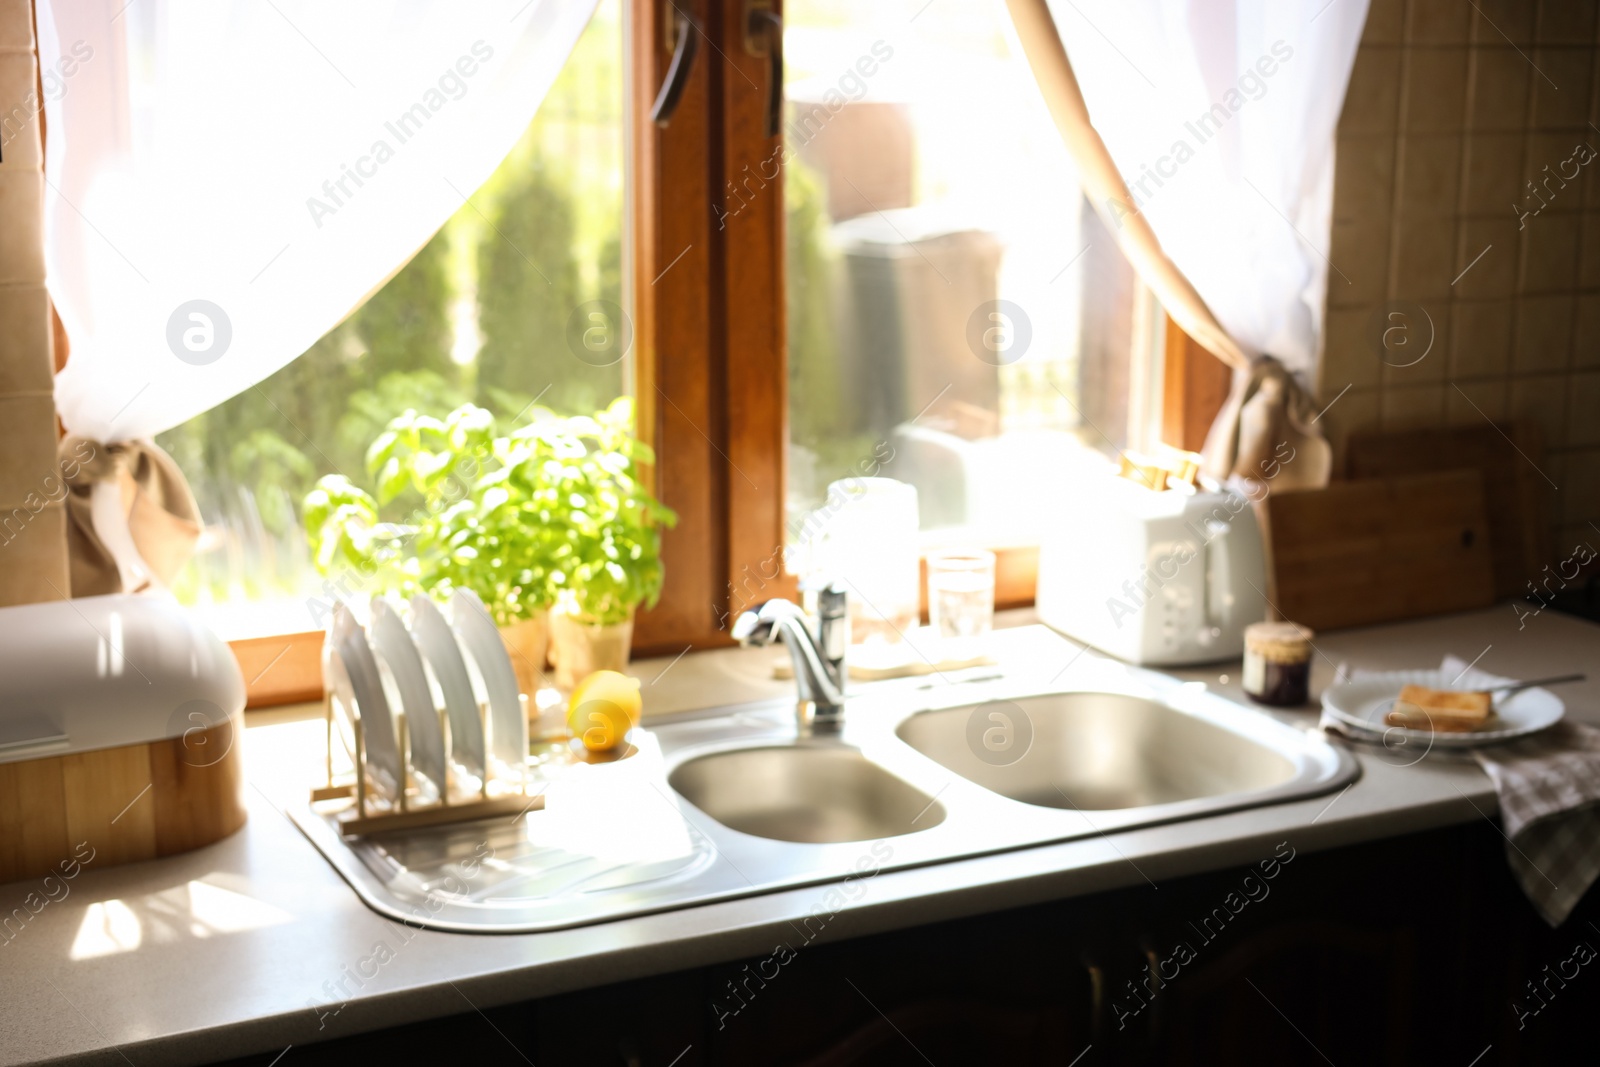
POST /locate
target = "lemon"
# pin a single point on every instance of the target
(603, 708)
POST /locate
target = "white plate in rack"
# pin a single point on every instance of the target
(508, 728)
(442, 655)
(395, 648)
(372, 706)
(1364, 701)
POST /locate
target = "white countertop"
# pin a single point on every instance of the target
(226, 951)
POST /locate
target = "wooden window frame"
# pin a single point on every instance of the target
(1195, 384)
(711, 369)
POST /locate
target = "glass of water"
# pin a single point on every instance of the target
(961, 597)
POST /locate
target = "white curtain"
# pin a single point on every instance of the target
(228, 179)
(1220, 116)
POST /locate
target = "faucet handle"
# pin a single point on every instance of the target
(757, 625)
(830, 600)
(749, 627)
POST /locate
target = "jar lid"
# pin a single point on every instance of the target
(1279, 642)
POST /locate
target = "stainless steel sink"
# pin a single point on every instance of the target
(919, 775)
(814, 792)
(1094, 751)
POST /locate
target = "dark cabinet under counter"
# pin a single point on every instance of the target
(1413, 950)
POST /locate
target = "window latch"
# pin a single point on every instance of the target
(763, 37)
(685, 44)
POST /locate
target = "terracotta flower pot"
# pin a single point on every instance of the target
(527, 642)
(578, 648)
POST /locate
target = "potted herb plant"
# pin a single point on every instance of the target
(550, 515)
(582, 474)
(436, 523)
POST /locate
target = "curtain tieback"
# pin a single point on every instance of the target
(1267, 431)
(132, 519)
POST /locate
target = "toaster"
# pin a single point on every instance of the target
(1157, 578)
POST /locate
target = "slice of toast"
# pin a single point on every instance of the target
(1444, 710)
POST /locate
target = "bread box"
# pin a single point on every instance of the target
(121, 727)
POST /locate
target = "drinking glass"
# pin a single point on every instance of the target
(961, 596)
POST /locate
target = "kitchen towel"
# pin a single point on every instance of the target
(1548, 785)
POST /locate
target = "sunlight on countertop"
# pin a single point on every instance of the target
(196, 909)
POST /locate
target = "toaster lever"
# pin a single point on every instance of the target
(1219, 581)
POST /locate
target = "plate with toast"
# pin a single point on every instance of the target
(1436, 707)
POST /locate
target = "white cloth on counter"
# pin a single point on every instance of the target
(619, 811)
(1548, 786)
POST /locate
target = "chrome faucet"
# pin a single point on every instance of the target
(817, 651)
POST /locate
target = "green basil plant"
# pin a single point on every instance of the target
(551, 512)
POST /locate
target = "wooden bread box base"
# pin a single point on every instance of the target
(130, 803)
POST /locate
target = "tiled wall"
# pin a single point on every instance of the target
(1452, 108)
(33, 539)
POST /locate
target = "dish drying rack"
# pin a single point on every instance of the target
(362, 819)
(361, 681)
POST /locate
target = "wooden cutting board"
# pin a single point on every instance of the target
(1379, 549)
(1515, 494)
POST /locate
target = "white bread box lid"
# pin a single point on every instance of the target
(107, 671)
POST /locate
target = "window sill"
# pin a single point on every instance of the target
(284, 668)
(279, 645)
(724, 677)
(284, 665)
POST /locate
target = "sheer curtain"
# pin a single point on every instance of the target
(228, 180)
(275, 160)
(1204, 131)
(1220, 116)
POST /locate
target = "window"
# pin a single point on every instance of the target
(910, 264)
(954, 304)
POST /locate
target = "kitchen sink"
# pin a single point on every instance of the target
(1094, 751)
(814, 792)
(920, 774)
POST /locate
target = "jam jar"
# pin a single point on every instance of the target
(1277, 663)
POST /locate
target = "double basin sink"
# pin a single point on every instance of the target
(917, 776)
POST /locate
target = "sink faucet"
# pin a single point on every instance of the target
(817, 652)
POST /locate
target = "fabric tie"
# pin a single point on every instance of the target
(132, 519)
(1267, 410)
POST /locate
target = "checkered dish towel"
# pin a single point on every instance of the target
(1549, 790)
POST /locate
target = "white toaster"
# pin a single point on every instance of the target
(1158, 578)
